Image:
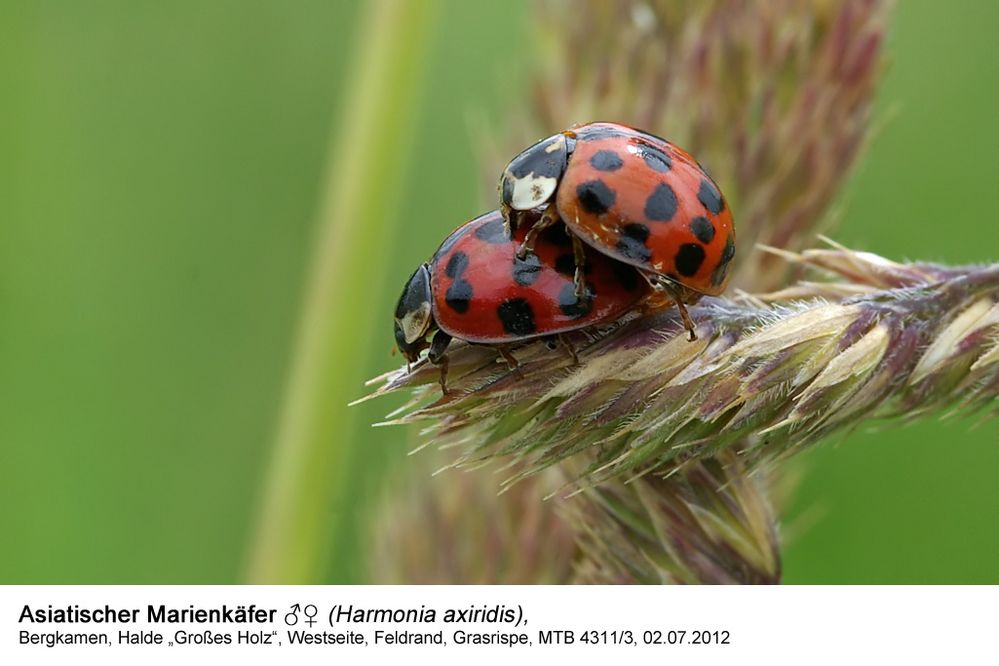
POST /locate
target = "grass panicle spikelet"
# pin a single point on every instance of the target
(453, 528)
(709, 523)
(767, 375)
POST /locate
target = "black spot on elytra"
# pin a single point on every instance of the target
(595, 197)
(639, 232)
(556, 234)
(656, 159)
(729, 252)
(573, 306)
(632, 242)
(516, 316)
(626, 276)
(661, 204)
(703, 229)
(493, 232)
(606, 160)
(456, 265)
(459, 296)
(526, 270)
(689, 258)
(709, 195)
(721, 270)
(566, 264)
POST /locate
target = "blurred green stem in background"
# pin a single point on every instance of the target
(294, 532)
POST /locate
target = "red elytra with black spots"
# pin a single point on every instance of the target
(479, 291)
(634, 197)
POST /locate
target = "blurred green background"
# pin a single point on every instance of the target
(161, 167)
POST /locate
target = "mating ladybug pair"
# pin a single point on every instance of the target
(593, 221)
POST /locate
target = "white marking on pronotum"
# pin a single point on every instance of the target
(414, 324)
(531, 191)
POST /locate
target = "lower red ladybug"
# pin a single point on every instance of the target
(477, 289)
(632, 196)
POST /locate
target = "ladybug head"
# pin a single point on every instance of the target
(413, 315)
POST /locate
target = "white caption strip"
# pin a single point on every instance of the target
(451, 625)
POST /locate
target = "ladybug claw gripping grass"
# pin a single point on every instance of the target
(632, 196)
(478, 288)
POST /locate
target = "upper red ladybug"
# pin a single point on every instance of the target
(632, 196)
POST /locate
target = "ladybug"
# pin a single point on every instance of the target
(476, 288)
(632, 196)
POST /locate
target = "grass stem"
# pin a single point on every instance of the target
(294, 534)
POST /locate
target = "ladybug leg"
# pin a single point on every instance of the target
(688, 323)
(674, 293)
(548, 218)
(579, 255)
(438, 355)
(511, 361)
(569, 347)
(511, 219)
